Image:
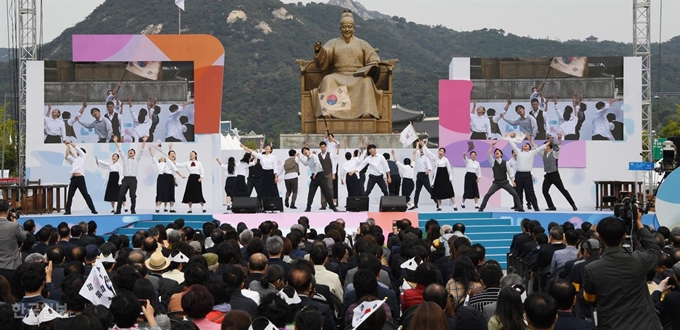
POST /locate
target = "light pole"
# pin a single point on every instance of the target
(4, 134)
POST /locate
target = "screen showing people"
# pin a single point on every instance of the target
(541, 117)
(146, 99)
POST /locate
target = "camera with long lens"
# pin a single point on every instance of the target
(669, 157)
(626, 209)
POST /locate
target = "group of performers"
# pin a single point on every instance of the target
(59, 127)
(363, 169)
(122, 178)
(570, 118)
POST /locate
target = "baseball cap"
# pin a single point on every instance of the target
(91, 252)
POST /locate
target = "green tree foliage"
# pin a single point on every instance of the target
(8, 126)
(672, 128)
(262, 81)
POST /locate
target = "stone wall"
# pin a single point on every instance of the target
(72, 92)
(590, 88)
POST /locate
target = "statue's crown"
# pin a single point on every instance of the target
(346, 17)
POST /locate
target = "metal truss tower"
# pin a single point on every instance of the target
(642, 46)
(27, 38)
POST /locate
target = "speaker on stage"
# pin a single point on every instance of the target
(272, 204)
(244, 204)
(357, 204)
(393, 204)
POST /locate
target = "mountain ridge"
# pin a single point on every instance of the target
(262, 39)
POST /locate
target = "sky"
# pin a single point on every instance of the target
(553, 19)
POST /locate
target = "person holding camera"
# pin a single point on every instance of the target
(669, 308)
(11, 233)
(616, 284)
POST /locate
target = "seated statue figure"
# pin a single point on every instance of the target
(348, 91)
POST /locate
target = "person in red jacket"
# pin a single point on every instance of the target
(425, 275)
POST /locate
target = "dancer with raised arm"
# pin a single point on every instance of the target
(69, 121)
(442, 184)
(101, 125)
(350, 165)
(141, 120)
(165, 182)
(169, 168)
(377, 170)
(173, 128)
(193, 192)
(473, 173)
(526, 123)
(552, 174)
(55, 129)
(406, 173)
(501, 174)
(523, 177)
(480, 127)
(270, 174)
(229, 170)
(76, 157)
(317, 180)
(114, 113)
(567, 117)
(130, 170)
(242, 172)
(423, 170)
(115, 169)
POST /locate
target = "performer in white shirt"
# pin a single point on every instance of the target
(242, 172)
(141, 121)
(501, 173)
(442, 184)
(328, 164)
(270, 173)
(317, 181)
(423, 170)
(480, 127)
(229, 170)
(70, 121)
(130, 170)
(512, 168)
(539, 113)
(173, 128)
(290, 171)
(523, 177)
(194, 189)
(115, 169)
(77, 158)
(352, 180)
(552, 174)
(165, 182)
(114, 113)
(407, 173)
(333, 146)
(567, 117)
(377, 170)
(473, 173)
(55, 129)
(602, 128)
(170, 180)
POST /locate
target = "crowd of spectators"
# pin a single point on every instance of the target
(219, 276)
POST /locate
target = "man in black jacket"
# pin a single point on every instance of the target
(669, 308)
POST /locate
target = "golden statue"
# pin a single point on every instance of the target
(349, 90)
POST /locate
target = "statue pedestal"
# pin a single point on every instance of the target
(297, 141)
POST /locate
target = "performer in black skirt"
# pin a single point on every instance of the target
(113, 184)
(270, 173)
(472, 176)
(230, 183)
(242, 171)
(480, 127)
(165, 182)
(194, 190)
(55, 129)
(442, 188)
(406, 172)
(352, 180)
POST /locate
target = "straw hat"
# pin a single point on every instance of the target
(157, 262)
